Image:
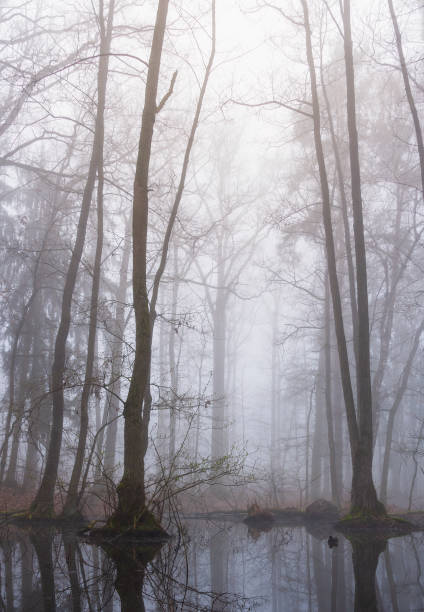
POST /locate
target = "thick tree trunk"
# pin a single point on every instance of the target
(219, 557)
(42, 542)
(365, 560)
(130, 562)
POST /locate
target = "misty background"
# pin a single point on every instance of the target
(244, 357)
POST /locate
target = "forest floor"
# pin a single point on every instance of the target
(15, 500)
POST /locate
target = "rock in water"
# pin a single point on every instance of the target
(322, 509)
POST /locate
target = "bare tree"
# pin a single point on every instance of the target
(132, 511)
(43, 504)
(363, 494)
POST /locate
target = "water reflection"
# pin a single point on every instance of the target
(365, 554)
(213, 566)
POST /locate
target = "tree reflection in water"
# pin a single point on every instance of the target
(208, 567)
(42, 541)
(365, 554)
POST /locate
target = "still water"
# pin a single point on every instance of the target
(211, 566)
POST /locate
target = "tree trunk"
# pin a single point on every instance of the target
(345, 217)
(173, 364)
(131, 489)
(117, 353)
(394, 409)
(13, 360)
(42, 542)
(163, 427)
(330, 250)
(37, 389)
(319, 431)
(43, 504)
(219, 425)
(11, 474)
(364, 496)
(275, 409)
(365, 560)
(72, 503)
(408, 91)
(335, 493)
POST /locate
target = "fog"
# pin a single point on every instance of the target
(211, 241)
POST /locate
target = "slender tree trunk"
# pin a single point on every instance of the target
(398, 268)
(43, 504)
(72, 503)
(329, 241)
(219, 437)
(28, 600)
(200, 392)
(414, 458)
(70, 545)
(275, 408)
(363, 496)
(8, 554)
(345, 217)
(163, 413)
(408, 91)
(11, 474)
(328, 400)
(12, 408)
(37, 389)
(13, 361)
(393, 412)
(117, 354)
(316, 484)
(339, 433)
(131, 489)
(173, 367)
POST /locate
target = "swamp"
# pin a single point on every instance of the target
(213, 564)
(211, 305)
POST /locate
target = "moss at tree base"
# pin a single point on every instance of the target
(377, 524)
(142, 525)
(41, 510)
